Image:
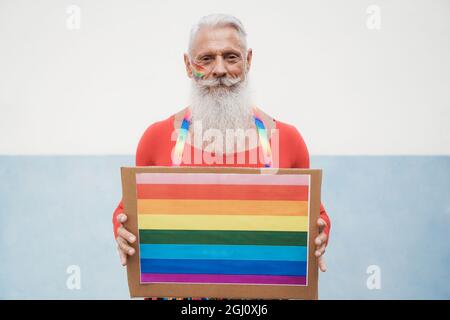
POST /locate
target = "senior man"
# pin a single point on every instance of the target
(208, 132)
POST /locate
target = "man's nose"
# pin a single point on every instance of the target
(219, 68)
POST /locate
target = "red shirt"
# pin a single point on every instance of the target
(156, 145)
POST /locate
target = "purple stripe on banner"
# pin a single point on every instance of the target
(222, 279)
(222, 178)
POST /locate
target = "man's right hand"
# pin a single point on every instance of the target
(124, 237)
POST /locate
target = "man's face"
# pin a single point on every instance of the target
(217, 53)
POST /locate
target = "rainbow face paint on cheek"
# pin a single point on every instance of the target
(197, 71)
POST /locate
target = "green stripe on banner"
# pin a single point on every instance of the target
(275, 238)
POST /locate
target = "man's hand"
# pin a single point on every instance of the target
(124, 237)
(321, 244)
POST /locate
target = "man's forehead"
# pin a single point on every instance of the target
(216, 39)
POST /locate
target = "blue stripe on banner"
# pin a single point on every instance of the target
(255, 267)
(226, 252)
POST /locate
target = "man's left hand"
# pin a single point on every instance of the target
(321, 244)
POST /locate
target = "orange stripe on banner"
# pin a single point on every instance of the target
(222, 192)
(222, 207)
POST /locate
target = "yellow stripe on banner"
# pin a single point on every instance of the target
(222, 222)
(226, 207)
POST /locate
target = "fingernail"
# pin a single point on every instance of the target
(131, 251)
(132, 238)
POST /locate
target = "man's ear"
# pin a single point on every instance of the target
(187, 64)
(249, 58)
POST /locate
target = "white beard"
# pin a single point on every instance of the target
(222, 108)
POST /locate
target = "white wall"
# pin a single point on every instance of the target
(348, 89)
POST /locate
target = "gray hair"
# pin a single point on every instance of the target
(218, 20)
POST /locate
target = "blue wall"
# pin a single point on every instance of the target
(393, 212)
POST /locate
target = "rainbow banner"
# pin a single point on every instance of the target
(223, 228)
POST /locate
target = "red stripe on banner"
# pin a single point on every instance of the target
(222, 192)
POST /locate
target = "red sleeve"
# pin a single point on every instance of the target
(144, 157)
(301, 160)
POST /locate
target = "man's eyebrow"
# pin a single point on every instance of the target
(233, 52)
(224, 51)
(205, 54)
(230, 49)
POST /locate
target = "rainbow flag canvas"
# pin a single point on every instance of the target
(222, 232)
